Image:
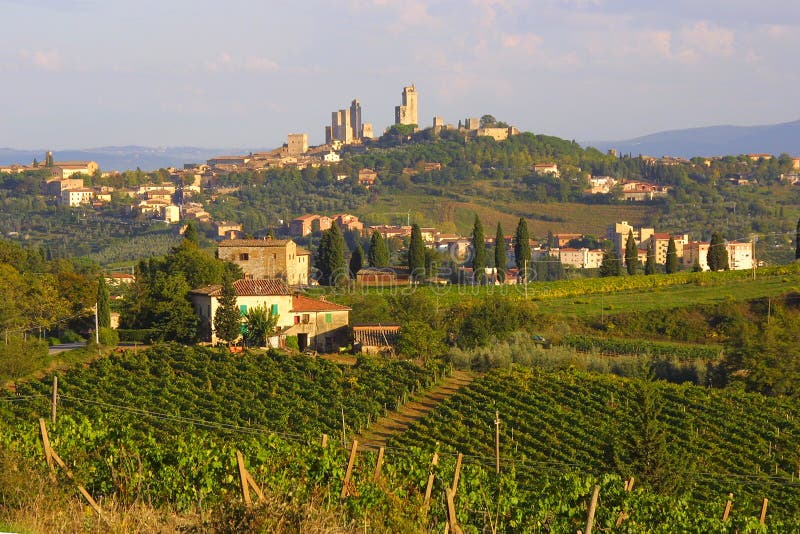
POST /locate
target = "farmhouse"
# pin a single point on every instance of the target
(375, 338)
(268, 258)
(317, 324)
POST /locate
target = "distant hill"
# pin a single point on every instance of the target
(121, 158)
(712, 141)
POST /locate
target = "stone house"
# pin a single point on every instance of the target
(268, 258)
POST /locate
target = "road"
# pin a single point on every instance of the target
(57, 349)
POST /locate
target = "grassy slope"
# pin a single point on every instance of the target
(453, 216)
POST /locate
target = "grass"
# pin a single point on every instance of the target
(458, 216)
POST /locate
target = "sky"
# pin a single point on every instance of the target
(89, 73)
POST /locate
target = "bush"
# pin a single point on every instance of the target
(292, 343)
(108, 336)
(143, 335)
(70, 336)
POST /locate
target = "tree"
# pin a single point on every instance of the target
(650, 264)
(672, 257)
(478, 251)
(190, 234)
(611, 265)
(487, 121)
(717, 258)
(103, 310)
(500, 254)
(378, 251)
(330, 257)
(227, 318)
(631, 254)
(797, 241)
(356, 260)
(260, 325)
(416, 254)
(522, 247)
(419, 341)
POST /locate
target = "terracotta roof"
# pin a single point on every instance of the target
(300, 251)
(307, 304)
(248, 288)
(376, 335)
(254, 242)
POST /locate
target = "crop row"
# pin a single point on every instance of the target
(656, 349)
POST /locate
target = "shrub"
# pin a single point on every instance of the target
(108, 336)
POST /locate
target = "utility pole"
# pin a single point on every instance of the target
(525, 277)
(96, 327)
(753, 245)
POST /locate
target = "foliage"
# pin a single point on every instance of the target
(329, 259)
(631, 254)
(378, 251)
(478, 252)
(642, 347)
(418, 340)
(228, 317)
(522, 246)
(493, 318)
(20, 356)
(671, 265)
(717, 254)
(108, 336)
(416, 254)
(500, 253)
(611, 264)
(356, 260)
(260, 325)
(103, 310)
(650, 264)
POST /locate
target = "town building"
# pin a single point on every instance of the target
(546, 168)
(68, 168)
(76, 197)
(618, 234)
(601, 185)
(366, 177)
(227, 230)
(740, 254)
(640, 191)
(661, 244)
(297, 144)
(378, 339)
(406, 112)
(318, 324)
(268, 258)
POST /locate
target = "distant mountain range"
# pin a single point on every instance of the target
(121, 158)
(712, 141)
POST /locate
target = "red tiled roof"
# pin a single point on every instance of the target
(307, 304)
(248, 288)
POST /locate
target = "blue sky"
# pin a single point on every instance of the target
(85, 73)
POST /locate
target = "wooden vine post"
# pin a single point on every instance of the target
(349, 472)
(728, 505)
(497, 441)
(324, 440)
(429, 487)
(55, 400)
(623, 515)
(592, 510)
(763, 518)
(378, 465)
(247, 481)
(452, 521)
(51, 456)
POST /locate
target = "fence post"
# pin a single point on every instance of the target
(429, 487)
(349, 473)
(763, 517)
(592, 509)
(378, 465)
(55, 399)
(497, 441)
(728, 505)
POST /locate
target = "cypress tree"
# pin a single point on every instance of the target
(378, 251)
(227, 318)
(797, 242)
(717, 258)
(611, 265)
(103, 310)
(330, 257)
(522, 247)
(356, 260)
(478, 251)
(500, 254)
(416, 254)
(672, 257)
(631, 254)
(650, 265)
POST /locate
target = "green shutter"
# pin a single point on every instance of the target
(329, 318)
(243, 310)
(274, 309)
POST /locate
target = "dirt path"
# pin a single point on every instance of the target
(399, 420)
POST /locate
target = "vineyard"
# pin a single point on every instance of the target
(162, 426)
(712, 441)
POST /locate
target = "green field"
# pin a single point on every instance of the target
(458, 216)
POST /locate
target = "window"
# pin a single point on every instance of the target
(329, 318)
(244, 256)
(306, 318)
(243, 310)
(296, 319)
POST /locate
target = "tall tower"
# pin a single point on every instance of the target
(355, 118)
(406, 113)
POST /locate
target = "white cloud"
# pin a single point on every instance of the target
(702, 39)
(226, 62)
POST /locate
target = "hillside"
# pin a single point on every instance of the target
(712, 141)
